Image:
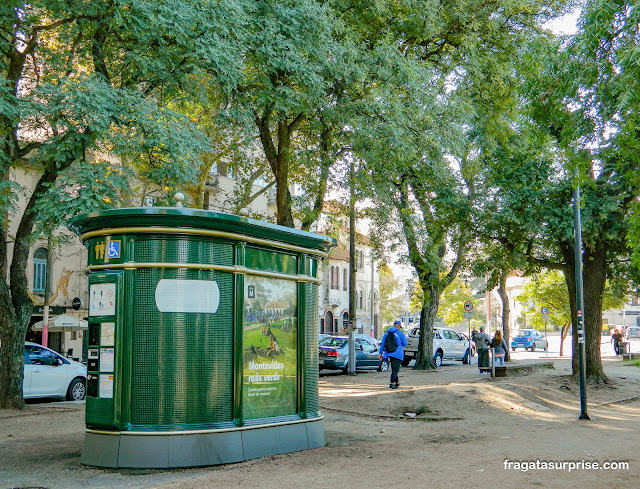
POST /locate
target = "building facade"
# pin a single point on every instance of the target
(333, 302)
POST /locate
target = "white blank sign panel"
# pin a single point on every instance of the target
(202, 296)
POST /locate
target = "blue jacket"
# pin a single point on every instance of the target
(401, 340)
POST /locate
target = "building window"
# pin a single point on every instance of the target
(39, 269)
(360, 300)
(344, 279)
(635, 301)
(335, 277)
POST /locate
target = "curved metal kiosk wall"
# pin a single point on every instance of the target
(202, 341)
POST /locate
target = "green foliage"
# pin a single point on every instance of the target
(82, 83)
(390, 304)
(546, 290)
(454, 296)
(549, 289)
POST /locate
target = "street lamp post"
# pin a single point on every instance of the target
(580, 301)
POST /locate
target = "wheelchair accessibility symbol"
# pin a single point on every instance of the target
(113, 249)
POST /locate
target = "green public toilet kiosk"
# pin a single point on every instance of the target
(202, 339)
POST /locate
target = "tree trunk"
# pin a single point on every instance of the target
(15, 301)
(325, 163)
(12, 335)
(569, 272)
(594, 277)
(506, 310)
(278, 158)
(431, 299)
(563, 335)
(595, 272)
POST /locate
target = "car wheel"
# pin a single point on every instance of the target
(437, 359)
(77, 390)
(465, 358)
(384, 366)
(513, 348)
(533, 347)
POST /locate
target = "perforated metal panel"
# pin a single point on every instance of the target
(181, 362)
(187, 249)
(99, 412)
(311, 338)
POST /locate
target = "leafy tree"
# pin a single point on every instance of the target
(82, 79)
(390, 304)
(452, 305)
(549, 289)
(290, 58)
(580, 95)
(438, 121)
(451, 308)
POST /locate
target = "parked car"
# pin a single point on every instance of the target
(447, 345)
(49, 374)
(473, 345)
(528, 339)
(333, 353)
(370, 338)
(633, 333)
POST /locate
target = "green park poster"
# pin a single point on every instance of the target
(269, 342)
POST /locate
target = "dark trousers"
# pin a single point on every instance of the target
(483, 358)
(395, 369)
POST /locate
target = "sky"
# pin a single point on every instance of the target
(567, 24)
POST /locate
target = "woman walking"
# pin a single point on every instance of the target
(499, 349)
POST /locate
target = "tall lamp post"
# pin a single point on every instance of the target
(582, 367)
(351, 365)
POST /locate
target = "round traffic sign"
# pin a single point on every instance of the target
(544, 310)
(468, 306)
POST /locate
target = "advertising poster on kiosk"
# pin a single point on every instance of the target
(269, 347)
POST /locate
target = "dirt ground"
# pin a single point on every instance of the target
(460, 429)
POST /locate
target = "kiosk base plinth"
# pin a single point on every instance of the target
(163, 450)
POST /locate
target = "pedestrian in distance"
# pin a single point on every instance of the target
(499, 349)
(616, 338)
(482, 341)
(392, 349)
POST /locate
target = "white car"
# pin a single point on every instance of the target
(48, 374)
(447, 345)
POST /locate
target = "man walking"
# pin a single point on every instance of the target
(391, 348)
(482, 342)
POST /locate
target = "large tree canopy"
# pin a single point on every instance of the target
(425, 146)
(579, 96)
(80, 80)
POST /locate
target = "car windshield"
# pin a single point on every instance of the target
(524, 332)
(332, 341)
